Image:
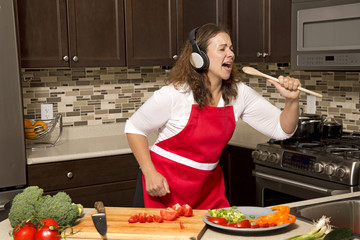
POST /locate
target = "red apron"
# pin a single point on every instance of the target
(189, 160)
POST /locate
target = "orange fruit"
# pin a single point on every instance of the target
(29, 129)
(34, 130)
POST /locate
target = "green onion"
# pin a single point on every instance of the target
(232, 215)
(321, 228)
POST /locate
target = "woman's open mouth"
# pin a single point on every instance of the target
(227, 66)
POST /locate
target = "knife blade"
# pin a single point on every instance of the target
(99, 218)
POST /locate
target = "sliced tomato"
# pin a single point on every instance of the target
(243, 224)
(182, 226)
(263, 225)
(188, 211)
(158, 219)
(177, 207)
(168, 214)
(149, 217)
(133, 219)
(272, 224)
(141, 218)
(255, 226)
(218, 220)
(231, 225)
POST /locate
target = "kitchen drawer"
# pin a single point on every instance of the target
(84, 172)
(118, 194)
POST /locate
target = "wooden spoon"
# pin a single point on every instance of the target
(255, 72)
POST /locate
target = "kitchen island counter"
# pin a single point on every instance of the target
(299, 227)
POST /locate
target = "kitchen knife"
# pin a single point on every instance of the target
(99, 218)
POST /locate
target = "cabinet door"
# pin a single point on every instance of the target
(278, 34)
(248, 35)
(42, 31)
(237, 165)
(150, 32)
(261, 30)
(96, 33)
(193, 14)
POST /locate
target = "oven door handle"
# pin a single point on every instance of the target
(298, 184)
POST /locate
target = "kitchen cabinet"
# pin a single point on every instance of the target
(71, 33)
(156, 30)
(237, 165)
(111, 179)
(261, 30)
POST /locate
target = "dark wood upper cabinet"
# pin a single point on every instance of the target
(156, 30)
(42, 28)
(261, 30)
(150, 32)
(71, 33)
(193, 14)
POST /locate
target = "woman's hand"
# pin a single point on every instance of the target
(156, 184)
(287, 86)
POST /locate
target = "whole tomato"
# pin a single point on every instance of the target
(49, 222)
(47, 233)
(25, 232)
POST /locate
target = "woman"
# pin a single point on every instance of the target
(195, 115)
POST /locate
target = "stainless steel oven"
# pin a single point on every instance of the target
(293, 171)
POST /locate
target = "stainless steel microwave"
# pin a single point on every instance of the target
(325, 35)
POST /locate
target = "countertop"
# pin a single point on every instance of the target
(109, 139)
(299, 227)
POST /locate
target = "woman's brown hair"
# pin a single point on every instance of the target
(183, 72)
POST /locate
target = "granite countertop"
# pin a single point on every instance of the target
(297, 228)
(106, 140)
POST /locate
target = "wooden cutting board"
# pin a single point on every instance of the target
(118, 226)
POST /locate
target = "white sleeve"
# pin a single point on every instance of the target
(153, 114)
(261, 114)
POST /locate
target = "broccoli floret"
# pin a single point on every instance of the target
(58, 207)
(32, 204)
(23, 205)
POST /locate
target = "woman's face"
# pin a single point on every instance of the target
(221, 57)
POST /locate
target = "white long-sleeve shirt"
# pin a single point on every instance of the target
(168, 111)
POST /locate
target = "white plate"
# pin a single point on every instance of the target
(250, 213)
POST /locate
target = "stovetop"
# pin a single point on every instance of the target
(347, 146)
(334, 159)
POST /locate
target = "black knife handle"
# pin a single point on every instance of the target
(99, 206)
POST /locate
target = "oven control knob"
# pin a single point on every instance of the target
(329, 170)
(256, 154)
(264, 156)
(318, 167)
(341, 172)
(274, 158)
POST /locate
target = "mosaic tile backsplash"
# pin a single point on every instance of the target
(95, 96)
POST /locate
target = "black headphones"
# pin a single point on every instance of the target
(199, 60)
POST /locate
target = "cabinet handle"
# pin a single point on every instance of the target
(264, 54)
(69, 175)
(75, 58)
(66, 58)
(175, 57)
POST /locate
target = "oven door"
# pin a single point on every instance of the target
(274, 186)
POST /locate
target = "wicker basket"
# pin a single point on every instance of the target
(44, 133)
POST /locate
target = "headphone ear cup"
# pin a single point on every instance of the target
(197, 60)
